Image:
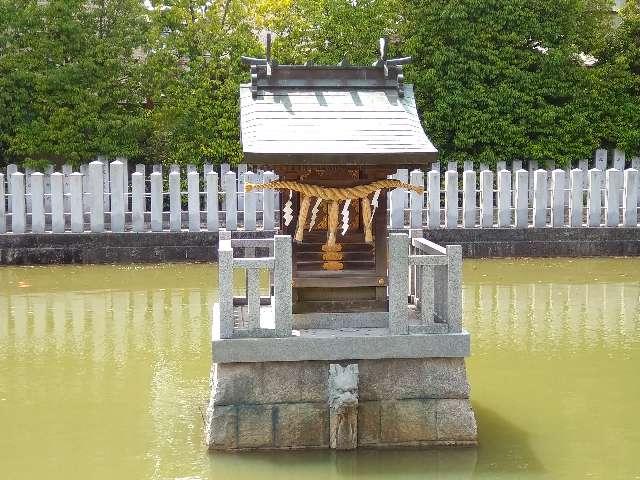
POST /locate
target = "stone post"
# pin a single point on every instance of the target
(193, 200)
(231, 206)
(557, 198)
(612, 205)
(504, 198)
(451, 199)
(156, 201)
(397, 207)
(630, 200)
(3, 218)
(11, 169)
(37, 202)
(399, 282)
(249, 204)
(18, 204)
(77, 210)
(242, 169)
(211, 179)
(575, 198)
(137, 202)
(57, 202)
(594, 198)
(282, 285)
(426, 293)
(469, 199)
(253, 296)
(96, 189)
(486, 199)
(116, 173)
(175, 207)
(268, 204)
(521, 198)
(618, 159)
(402, 174)
(433, 199)
(533, 166)
(454, 288)
(416, 199)
(225, 284)
(540, 198)
(600, 161)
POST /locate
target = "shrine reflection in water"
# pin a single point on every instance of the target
(104, 374)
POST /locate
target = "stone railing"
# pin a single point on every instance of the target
(253, 315)
(424, 285)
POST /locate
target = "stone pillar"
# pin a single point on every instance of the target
(398, 283)
(3, 218)
(253, 297)
(242, 169)
(175, 206)
(211, 179)
(504, 198)
(397, 207)
(575, 198)
(96, 189)
(402, 174)
(630, 199)
(57, 202)
(557, 198)
(11, 169)
(486, 199)
(416, 199)
(469, 199)
(451, 199)
(193, 193)
(225, 284)
(618, 159)
(433, 199)
(521, 198)
(231, 209)
(137, 202)
(37, 202)
(156, 201)
(343, 406)
(77, 210)
(18, 204)
(268, 204)
(249, 204)
(594, 198)
(612, 205)
(426, 285)
(600, 161)
(540, 198)
(282, 285)
(454, 288)
(116, 173)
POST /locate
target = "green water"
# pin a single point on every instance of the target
(104, 375)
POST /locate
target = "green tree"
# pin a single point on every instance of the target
(500, 80)
(69, 79)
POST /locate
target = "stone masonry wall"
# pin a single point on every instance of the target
(283, 405)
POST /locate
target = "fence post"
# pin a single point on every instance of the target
(451, 199)
(76, 204)
(504, 198)
(175, 206)
(416, 199)
(37, 202)
(3, 218)
(575, 199)
(611, 203)
(18, 204)
(241, 170)
(433, 199)
(57, 202)
(635, 163)
(399, 282)
(156, 202)
(540, 198)
(397, 207)
(231, 217)
(557, 198)
(454, 288)
(521, 196)
(211, 179)
(619, 159)
(630, 200)
(193, 200)
(137, 201)
(11, 169)
(249, 204)
(594, 198)
(225, 284)
(486, 199)
(96, 188)
(116, 174)
(268, 204)
(282, 285)
(468, 199)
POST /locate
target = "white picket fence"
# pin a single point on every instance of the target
(105, 197)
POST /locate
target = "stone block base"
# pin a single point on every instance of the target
(283, 405)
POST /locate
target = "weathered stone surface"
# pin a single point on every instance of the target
(408, 421)
(301, 425)
(255, 426)
(368, 423)
(221, 427)
(413, 378)
(343, 406)
(455, 420)
(270, 382)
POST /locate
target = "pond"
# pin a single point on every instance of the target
(104, 375)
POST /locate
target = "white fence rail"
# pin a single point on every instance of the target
(107, 197)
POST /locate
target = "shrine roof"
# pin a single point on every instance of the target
(339, 115)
